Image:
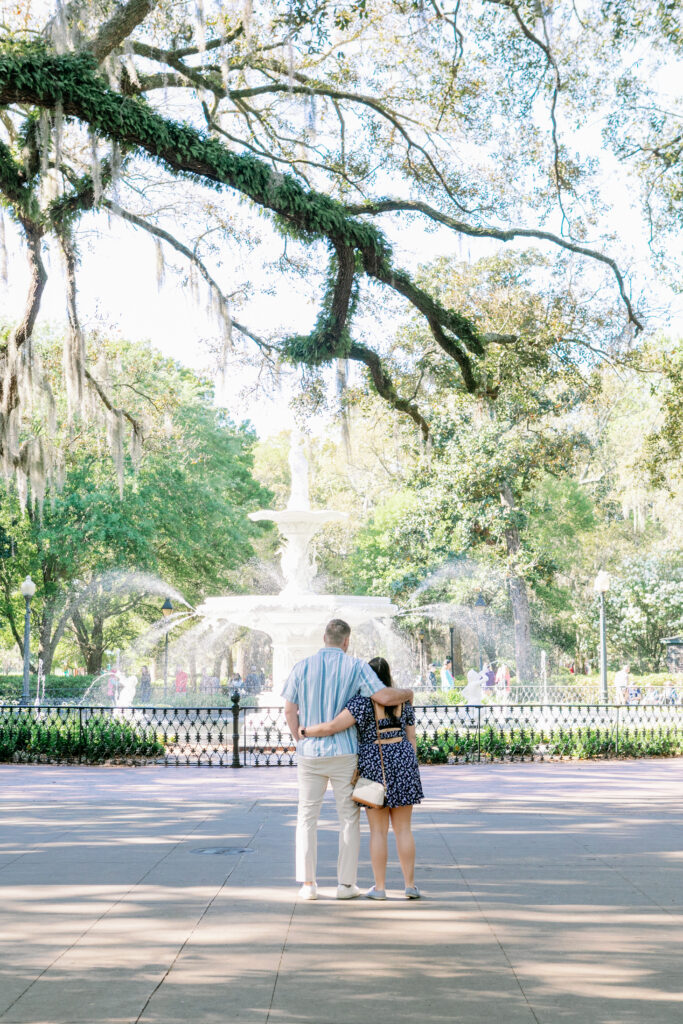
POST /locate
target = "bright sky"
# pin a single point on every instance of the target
(118, 286)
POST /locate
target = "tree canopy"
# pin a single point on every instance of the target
(114, 541)
(342, 125)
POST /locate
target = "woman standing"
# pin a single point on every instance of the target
(396, 729)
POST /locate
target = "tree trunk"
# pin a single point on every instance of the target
(90, 643)
(93, 660)
(519, 597)
(46, 642)
(458, 668)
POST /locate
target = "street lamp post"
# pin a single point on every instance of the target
(479, 608)
(452, 633)
(166, 610)
(28, 589)
(601, 586)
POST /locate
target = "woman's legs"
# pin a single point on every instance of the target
(378, 818)
(405, 844)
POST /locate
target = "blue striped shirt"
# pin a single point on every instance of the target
(321, 685)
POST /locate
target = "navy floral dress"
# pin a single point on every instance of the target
(400, 762)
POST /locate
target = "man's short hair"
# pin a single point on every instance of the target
(336, 632)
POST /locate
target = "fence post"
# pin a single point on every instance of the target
(617, 743)
(479, 732)
(236, 763)
(80, 734)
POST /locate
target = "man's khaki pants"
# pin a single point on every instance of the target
(314, 774)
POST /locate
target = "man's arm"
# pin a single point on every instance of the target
(292, 718)
(389, 695)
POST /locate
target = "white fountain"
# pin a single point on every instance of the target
(295, 618)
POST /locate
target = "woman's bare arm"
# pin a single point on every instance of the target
(390, 696)
(411, 737)
(344, 720)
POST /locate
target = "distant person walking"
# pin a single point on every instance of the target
(181, 678)
(622, 684)
(503, 677)
(447, 680)
(145, 684)
(487, 677)
(316, 691)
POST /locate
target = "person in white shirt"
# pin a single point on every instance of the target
(622, 684)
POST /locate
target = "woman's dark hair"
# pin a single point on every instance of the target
(380, 666)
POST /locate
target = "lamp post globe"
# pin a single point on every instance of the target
(601, 582)
(166, 609)
(601, 586)
(28, 589)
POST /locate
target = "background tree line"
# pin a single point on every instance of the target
(521, 497)
(109, 545)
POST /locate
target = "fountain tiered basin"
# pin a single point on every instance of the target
(295, 619)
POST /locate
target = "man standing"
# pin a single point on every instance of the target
(316, 691)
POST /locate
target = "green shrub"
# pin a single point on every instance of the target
(57, 688)
(30, 737)
(434, 698)
(521, 744)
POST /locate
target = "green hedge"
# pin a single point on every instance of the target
(57, 688)
(71, 689)
(25, 738)
(529, 744)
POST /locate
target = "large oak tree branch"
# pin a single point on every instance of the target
(41, 79)
(10, 354)
(385, 387)
(127, 17)
(502, 234)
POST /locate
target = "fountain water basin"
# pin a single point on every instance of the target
(295, 625)
(295, 619)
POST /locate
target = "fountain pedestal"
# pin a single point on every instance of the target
(295, 619)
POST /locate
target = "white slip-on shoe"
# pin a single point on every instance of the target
(347, 892)
(308, 892)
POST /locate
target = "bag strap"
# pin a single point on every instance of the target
(379, 744)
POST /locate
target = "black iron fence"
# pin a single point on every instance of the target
(240, 736)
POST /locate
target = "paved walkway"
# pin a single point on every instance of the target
(554, 895)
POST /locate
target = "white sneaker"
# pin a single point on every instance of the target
(308, 892)
(347, 892)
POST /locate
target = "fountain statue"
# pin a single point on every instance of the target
(129, 685)
(295, 618)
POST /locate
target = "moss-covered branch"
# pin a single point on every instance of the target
(384, 386)
(35, 76)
